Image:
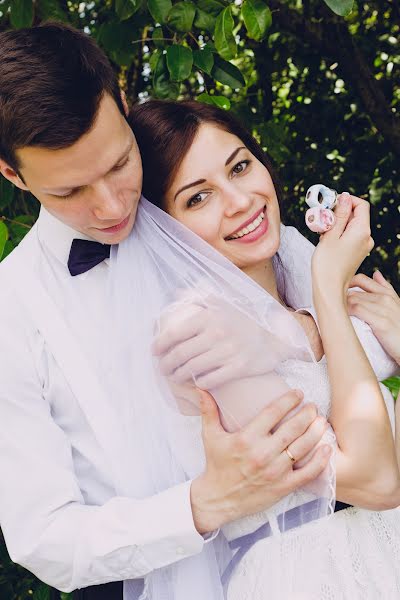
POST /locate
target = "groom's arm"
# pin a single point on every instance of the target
(47, 526)
(52, 532)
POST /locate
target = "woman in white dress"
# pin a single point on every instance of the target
(213, 178)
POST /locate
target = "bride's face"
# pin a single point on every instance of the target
(226, 196)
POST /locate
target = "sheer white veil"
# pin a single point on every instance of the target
(159, 271)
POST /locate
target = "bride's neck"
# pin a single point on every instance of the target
(264, 275)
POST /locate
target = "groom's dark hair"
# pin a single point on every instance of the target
(52, 79)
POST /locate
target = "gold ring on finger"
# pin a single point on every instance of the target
(290, 455)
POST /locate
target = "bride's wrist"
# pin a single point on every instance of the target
(330, 292)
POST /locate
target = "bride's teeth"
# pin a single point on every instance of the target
(249, 228)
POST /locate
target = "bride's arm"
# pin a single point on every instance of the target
(367, 469)
(378, 304)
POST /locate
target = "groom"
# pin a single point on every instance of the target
(65, 138)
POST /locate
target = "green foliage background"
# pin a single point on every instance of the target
(316, 80)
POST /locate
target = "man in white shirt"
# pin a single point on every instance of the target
(64, 137)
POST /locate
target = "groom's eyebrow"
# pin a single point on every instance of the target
(77, 187)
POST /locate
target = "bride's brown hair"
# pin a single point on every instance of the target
(165, 131)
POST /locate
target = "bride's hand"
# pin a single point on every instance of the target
(214, 344)
(342, 249)
(379, 306)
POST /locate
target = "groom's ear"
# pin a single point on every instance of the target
(124, 102)
(10, 174)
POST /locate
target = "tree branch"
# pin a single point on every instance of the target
(333, 39)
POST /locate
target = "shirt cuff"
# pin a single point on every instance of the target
(175, 536)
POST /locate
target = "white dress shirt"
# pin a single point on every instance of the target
(59, 510)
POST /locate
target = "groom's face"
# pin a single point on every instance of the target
(93, 186)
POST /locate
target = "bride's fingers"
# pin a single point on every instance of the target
(375, 285)
(378, 277)
(179, 356)
(342, 214)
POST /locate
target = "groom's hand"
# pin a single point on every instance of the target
(249, 471)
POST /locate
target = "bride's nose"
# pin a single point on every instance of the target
(235, 200)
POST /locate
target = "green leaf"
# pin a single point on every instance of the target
(125, 8)
(340, 7)
(204, 60)
(159, 9)
(212, 7)
(223, 35)
(42, 592)
(179, 62)
(219, 101)
(226, 73)
(204, 21)
(181, 16)
(158, 37)
(153, 60)
(65, 596)
(116, 39)
(257, 18)
(20, 227)
(162, 85)
(6, 193)
(393, 383)
(3, 237)
(50, 9)
(21, 13)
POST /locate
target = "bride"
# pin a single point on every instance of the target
(211, 176)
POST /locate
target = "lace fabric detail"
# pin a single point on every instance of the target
(353, 555)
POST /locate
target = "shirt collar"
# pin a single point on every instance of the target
(56, 236)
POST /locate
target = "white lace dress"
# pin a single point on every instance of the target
(351, 555)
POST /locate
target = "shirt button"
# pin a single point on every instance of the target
(180, 550)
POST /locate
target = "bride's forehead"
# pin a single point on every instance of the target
(211, 146)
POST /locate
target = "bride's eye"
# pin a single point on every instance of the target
(196, 199)
(240, 167)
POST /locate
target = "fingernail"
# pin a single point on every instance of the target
(344, 198)
(299, 394)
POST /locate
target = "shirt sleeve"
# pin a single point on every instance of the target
(47, 526)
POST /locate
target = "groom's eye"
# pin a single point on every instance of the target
(69, 195)
(121, 165)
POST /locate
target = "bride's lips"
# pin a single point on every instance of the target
(253, 218)
(254, 235)
(115, 228)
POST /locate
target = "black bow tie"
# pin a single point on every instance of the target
(85, 255)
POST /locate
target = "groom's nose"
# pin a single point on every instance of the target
(107, 205)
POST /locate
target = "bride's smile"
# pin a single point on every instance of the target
(252, 230)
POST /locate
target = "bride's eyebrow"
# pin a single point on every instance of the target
(189, 185)
(234, 153)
